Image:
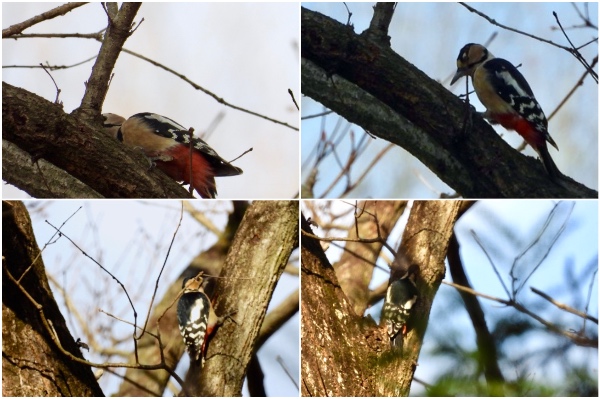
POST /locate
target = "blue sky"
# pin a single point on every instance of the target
(506, 228)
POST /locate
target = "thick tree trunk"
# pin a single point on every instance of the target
(32, 364)
(344, 354)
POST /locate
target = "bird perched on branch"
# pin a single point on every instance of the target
(508, 99)
(173, 149)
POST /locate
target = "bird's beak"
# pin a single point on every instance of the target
(460, 72)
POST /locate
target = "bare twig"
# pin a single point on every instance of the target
(491, 262)
(369, 167)
(379, 240)
(287, 372)
(53, 81)
(55, 12)
(535, 241)
(206, 91)
(50, 67)
(293, 99)
(320, 114)
(106, 271)
(576, 52)
(494, 22)
(97, 35)
(242, 154)
(574, 337)
(578, 84)
(573, 50)
(161, 272)
(564, 307)
(589, 297)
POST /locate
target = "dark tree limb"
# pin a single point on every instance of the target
(370, 85)
(32, 364)
(485, 341)
(43, 130)
(256, 379)
(20, 170)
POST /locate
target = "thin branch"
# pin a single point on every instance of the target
(494, 22)
(564, 307)
(50, 67)
(477, 293)
(279, 360)
(589, 297)
(55, 12)
(575, 87)
(574, 337)
(52, 332)
(369, 167)
(106, 271)
(205, 91)
(320, 114)
(491, 262)
(361, 240)
(128, 322)
(161, 272)
(97, 35)
(573, 50)
(53, 81)
(534, 242)
(357, 149)
(291, 93)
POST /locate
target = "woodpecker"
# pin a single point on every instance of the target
(400, 297)
(197, 318)
(508, 99)
(167, 144)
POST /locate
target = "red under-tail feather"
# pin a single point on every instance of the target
(203, 176)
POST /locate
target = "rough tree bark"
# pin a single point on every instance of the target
(32, 364)
(154, 382)
(344, 354)
(42, 130)
(74, 147)
(370, 85)
(354, 270)
(259, 253)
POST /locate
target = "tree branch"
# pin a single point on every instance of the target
(43, 130)
(374, 87)
(55, 12)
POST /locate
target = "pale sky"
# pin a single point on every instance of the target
(249, 62)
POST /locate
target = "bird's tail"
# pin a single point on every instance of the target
(177, 166)
(397, 342)
(549, 165)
